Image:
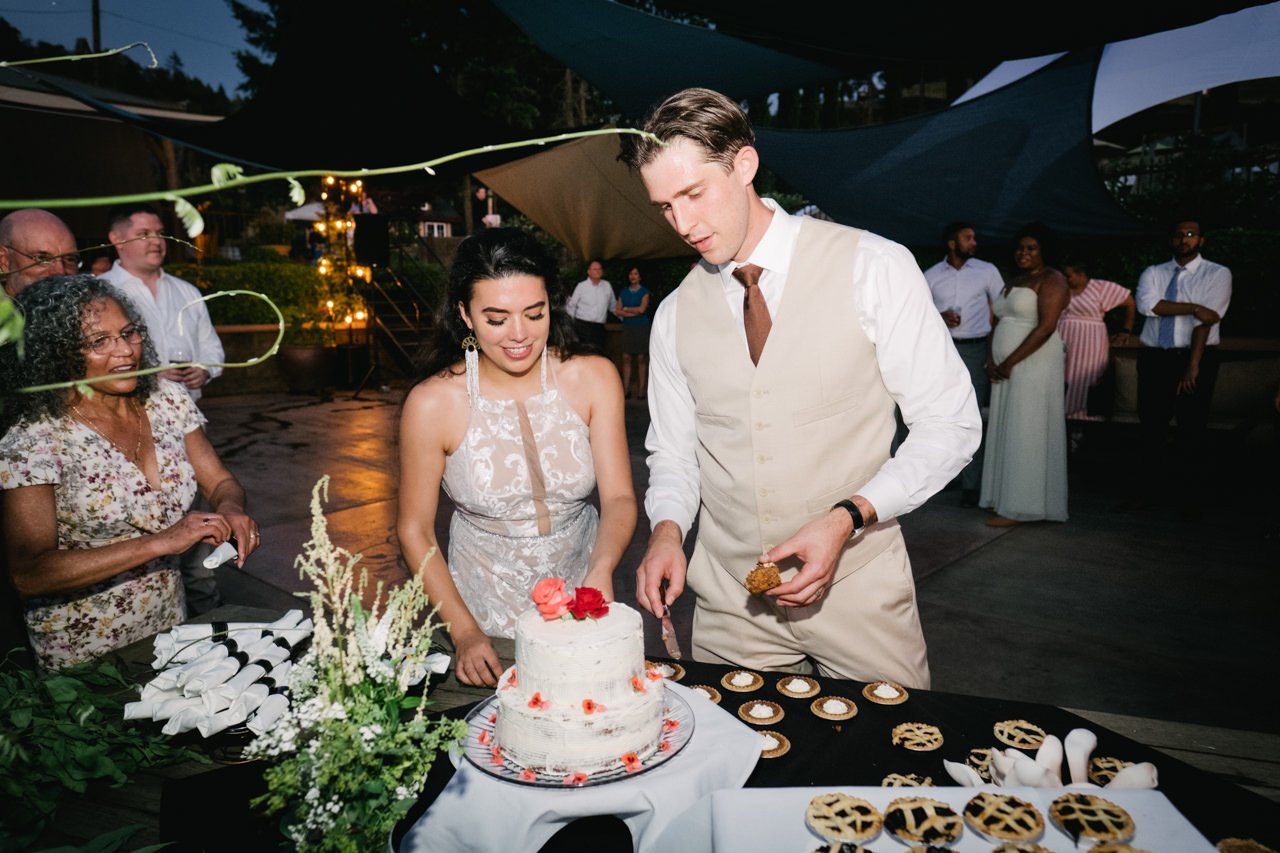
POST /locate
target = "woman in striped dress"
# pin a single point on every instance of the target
(1085, 334)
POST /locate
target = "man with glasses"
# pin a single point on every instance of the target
(177, 321)
(34, 244)
(1184, 300)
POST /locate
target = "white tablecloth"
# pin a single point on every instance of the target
(478, 812)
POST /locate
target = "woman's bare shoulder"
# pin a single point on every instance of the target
(438, 394)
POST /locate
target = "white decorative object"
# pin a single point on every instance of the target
(1014, 768)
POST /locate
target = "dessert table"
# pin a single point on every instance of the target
(858, 752)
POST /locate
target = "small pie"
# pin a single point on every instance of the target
(669, 670)
(1114, 847)
(706, 690)
(923, 820)
(917, 737)
(741, 681)
(1103, 768)
(1090, 816)
(980, 760)
(842, 847)
(840, 817)
(1002, 817)
(775, 744)
(1242, 845)
(797, 686)
(885, 693)
(833, 707)
(763, 578)
(1019, 733)
(906, 780)
(760, 712)
(1020, 847)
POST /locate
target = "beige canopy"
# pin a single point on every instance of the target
(579, 193)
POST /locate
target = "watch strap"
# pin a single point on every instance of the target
(854, 513)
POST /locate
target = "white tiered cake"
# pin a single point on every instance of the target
(578, 699)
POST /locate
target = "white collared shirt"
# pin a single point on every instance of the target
(591, 302)
(1201, 281)
(173, 298)
(919, 365)
(972, 289)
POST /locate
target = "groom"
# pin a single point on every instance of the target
(774, 371)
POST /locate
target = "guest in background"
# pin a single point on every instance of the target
(633, 308)
(1025, 474)
(97, 487)
(1084, 333)
(34, 244)
(590, 304)
(519, 425)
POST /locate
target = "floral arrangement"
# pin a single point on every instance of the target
(350, 756)
(554, 603)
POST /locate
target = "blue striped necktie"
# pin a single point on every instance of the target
(1167, 322)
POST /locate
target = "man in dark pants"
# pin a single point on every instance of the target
(1185, 299)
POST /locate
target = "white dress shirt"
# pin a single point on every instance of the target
(591, 302)
(174, 300)
(971, 290)
(1202, 282)
(920, 367)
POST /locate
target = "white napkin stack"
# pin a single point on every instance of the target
(1014, 768)
(187, 642)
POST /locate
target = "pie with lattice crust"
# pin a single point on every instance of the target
(921, 819)
(1019, 733)
(1001, 817)
(1103, 768)
(906, 780)
(1020, 847)
(980, 760)
(918, 737)
(841, 817)
(1090, 816)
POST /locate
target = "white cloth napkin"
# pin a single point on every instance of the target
(185, 642)
(478, 812)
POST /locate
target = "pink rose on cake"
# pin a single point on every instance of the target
(551, 599)
(588, 602)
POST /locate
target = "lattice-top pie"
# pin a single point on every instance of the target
(1020, 847)
(918, 737)
(1090, 816)
(841, 817)
(979, 759)
(920, 819)
(906, 780)
(1103, 768)
(1002, 817)
(1019, 733)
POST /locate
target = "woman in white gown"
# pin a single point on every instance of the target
(519, 429)
(1024, 477)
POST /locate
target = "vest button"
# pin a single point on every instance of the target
(762, 458)
(766, 518)
(764, 493)
(760, 425)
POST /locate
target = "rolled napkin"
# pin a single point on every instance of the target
(269, 713)
(1078, 746)
(1049, 756)
(227, 668)
(145, 708)
(222, 695)
(173, 646)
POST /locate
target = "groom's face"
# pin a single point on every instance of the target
(706, 205)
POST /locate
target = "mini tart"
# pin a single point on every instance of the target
(783, 747)
(817, 707)
(745, 709)
(1089, 816)
(906, 780)
(842, 847)
(841, 817)
(1019, 733)
(1113, 847)
(1103, 768)
(727, 681)
(979, 759)
(869, 693)
(1242, 845)
(677, 671)
(785, 686)
(921, 820)
(1002, 817)
(763, 578)
(1020, 847)
(917, 737)
(706, 690)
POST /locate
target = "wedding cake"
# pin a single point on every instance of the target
(579, 699)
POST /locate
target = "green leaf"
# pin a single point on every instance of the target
(191, 218)
(297, 194)
(224, 173)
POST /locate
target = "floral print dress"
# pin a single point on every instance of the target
(100, 498)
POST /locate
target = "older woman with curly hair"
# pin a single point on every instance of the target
(98, 477)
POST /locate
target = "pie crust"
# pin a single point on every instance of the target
(917, 737)
(783, 747)
(1089, 816)
(850, 708)
(1003, 817)
(727, 681)
(744, 711)
(1019, 733)
(869, 693)
(810, 688)
(921, 819)
(1103, 768)
(763, 578)
(706, 690)
(841, 817)
(906, 780)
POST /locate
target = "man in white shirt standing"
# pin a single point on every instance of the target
(589, 305)
(773, 410)
(1185, 300)
(179, 327)
(964, 289)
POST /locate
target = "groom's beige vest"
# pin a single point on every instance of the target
(780, 442)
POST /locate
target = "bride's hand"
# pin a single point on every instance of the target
(475, 662)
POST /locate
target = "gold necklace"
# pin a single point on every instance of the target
(92, 423)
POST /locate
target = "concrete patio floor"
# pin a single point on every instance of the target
(1154, 625)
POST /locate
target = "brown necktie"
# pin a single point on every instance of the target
(755, 313)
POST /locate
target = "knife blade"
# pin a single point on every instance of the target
(669, 635)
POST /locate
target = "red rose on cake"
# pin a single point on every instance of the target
(588, 602)
(551, 599)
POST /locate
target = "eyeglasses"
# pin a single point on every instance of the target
(104, 344)
(46, 261)
(1177, 234)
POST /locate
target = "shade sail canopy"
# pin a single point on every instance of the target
(580, 194)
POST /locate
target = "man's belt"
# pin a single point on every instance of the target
(969, 340)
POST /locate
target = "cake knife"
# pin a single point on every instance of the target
(669, 634)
